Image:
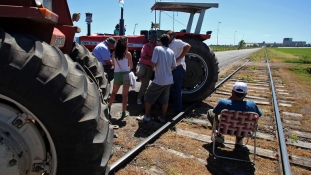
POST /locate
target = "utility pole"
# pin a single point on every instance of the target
(155, 14)
(217, 32)
(234, 38)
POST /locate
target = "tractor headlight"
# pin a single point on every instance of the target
(38, 2)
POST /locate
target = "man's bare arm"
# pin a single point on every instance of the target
(184, 52)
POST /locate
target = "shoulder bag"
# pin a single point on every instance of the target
(126, 77)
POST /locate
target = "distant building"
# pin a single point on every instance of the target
(288, 42)
(274, 44)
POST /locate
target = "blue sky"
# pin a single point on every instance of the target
(251, 20)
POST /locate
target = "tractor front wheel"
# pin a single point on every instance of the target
(51, 114)
(201, 72)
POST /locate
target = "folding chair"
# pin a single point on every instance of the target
(236, 123)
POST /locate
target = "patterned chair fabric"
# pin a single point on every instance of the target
(237, 123)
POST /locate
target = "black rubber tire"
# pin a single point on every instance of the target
(197, 82)
(86, 59)
(59, 93)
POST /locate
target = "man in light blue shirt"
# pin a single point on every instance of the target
(102, 53)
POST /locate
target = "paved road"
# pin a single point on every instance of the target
(225, 58)
(228, 57)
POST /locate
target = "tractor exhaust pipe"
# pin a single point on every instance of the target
(121, 23)
(88, 20)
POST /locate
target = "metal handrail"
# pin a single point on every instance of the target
(282, 144)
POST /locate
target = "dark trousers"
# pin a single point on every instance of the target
(110, 72)
(178, 75)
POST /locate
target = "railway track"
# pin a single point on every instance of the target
(184, 146)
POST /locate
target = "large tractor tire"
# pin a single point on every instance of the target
(201, 73)
(51, 114)
(88, 61)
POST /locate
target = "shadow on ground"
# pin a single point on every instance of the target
(219, 166)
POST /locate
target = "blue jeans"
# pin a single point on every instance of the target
(178, 75)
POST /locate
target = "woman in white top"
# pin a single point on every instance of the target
(122, 62)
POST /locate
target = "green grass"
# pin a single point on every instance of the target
(258, 56)
(303, 70)
(223, 48)
(303, 54)
(300, 56)
(249, 79)
(216, 48)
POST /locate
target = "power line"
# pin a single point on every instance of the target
(183, 23)
(174, 19)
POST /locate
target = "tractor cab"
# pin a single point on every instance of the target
(186, 7)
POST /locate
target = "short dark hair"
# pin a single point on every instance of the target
(165, 40)
(171, 33)
(239, 95)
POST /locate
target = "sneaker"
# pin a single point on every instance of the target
(143, 118)
(162, 120)
(239, 141)
(139, 101)
(123, 115)
(219, 138)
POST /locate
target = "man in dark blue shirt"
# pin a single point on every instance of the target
(235, 102)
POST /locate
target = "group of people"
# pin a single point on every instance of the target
(165, 61)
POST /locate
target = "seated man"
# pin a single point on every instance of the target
(235, 102)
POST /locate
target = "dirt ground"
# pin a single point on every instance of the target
(176, 154)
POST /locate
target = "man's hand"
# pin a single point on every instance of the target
(108, 62)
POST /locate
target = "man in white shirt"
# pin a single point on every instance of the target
(180, 49)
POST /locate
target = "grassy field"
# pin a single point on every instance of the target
(226, 48)
(223, 48)
(303, 55)
(300, 56)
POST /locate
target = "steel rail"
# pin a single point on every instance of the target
(229, 76)
(284, 155)
(133, 152)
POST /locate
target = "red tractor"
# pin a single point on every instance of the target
(202, 65)
(53, 92)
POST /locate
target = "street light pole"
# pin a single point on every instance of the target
(135, 28)
(234, 38)
(217, 32)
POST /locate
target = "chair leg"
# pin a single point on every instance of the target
(255, 139)
(214, 135)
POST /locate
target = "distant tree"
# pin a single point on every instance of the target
(241, 44)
